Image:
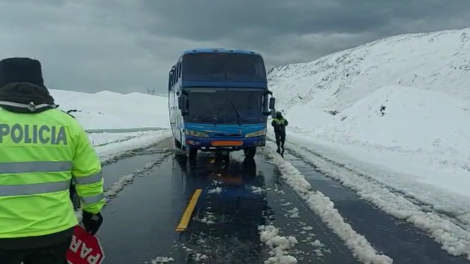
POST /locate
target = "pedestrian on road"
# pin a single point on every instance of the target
(41, 150)
(279, 124)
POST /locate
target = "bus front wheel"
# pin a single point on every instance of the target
(177, 144)
(250, 152)
(191, 153)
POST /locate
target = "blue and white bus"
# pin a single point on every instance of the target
(219, 100)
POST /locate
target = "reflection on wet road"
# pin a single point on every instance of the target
(231, 207)
(244, 214)
(237, 197)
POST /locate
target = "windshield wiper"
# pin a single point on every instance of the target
(218, 112)
(236, 111)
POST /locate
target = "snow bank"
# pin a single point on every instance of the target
(279, 245)
(404, 118)
(105, 109)
(162, 260)
(414, 131)
(324, 208)
(113, 151)
(101, 139)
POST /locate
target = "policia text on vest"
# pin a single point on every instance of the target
(42, 151)
(33, 134)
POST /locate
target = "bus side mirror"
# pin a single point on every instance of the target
(268, 103)
(272, 103)
(265, 105)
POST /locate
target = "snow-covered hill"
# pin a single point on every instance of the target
(110, 110)
(391, 120)
(401, 103)
(438, 61)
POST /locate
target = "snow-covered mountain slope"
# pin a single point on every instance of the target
(396, 110)
(110, 110)
(438, 61)
(390, 120)
(408, 129)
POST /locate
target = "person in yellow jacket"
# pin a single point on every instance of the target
(42, 149)
(279, 124)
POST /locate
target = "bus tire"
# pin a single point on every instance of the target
(250, 153)
(177, 144)
(191, 153)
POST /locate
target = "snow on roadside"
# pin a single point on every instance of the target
(100, 139)
(324, 207)
(388, 191)
(112, 151)
(279, 245)
(161, 260)
(422, 134)
(104, 110)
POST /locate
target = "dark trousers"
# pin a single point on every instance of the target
(55, 254)
(280, 139)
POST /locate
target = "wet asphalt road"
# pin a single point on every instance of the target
(140, 221)
(398, 239)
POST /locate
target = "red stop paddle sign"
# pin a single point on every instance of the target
(85, 248)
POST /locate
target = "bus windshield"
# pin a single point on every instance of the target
(221, 107)
(223, 67)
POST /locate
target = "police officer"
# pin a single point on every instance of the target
(279, 124)
(41, 150)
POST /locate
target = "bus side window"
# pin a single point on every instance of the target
(169, 81)
(176, 72)
(179, 70)
(260, 70)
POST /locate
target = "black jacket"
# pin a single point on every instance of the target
(279, 124)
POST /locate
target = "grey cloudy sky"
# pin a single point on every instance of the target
(129, 45)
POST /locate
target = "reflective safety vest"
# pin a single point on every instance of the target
(40, 154)
(279, 121)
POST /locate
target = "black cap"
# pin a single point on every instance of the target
(15, 70)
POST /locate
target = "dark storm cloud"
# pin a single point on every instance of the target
(262, 23)
(129, 45)
(216, 19)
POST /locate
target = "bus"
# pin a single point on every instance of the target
(218, 100)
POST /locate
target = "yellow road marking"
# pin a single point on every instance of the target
(212, 161)
(188, 212)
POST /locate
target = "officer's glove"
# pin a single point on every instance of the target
(92, 222)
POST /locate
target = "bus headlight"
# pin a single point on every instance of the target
(194, 133)
(257, 133)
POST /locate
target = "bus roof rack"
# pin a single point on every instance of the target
(219, 50)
